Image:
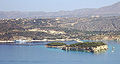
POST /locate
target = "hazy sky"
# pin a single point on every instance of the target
(51, 5)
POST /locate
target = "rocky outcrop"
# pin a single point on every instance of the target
(96, 49)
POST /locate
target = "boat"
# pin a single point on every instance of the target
(19, 41)
(113, 49)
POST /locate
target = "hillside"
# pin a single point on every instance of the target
(60, 28)
(95, 24)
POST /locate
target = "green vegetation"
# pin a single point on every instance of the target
(87, 44)
(56, 44)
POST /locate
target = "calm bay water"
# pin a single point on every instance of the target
(14, 54)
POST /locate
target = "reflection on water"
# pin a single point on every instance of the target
(14, 54)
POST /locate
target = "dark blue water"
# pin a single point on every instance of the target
(14, 54)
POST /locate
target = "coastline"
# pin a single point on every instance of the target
(43, 40)
(47, 40)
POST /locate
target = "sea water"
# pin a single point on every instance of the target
(39, 54)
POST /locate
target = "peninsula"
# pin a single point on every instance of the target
(94, 47)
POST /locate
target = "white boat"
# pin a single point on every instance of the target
(20, 41)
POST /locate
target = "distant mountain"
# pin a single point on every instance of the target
(112, 10)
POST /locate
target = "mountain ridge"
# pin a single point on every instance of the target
(110, 10)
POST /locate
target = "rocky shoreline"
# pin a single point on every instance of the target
(88, 49)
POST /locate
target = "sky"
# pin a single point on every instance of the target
(52, 5)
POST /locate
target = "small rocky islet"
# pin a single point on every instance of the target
(94, 47)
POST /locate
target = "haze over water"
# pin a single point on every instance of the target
(14, 54)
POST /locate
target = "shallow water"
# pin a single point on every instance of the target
(14, 54)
